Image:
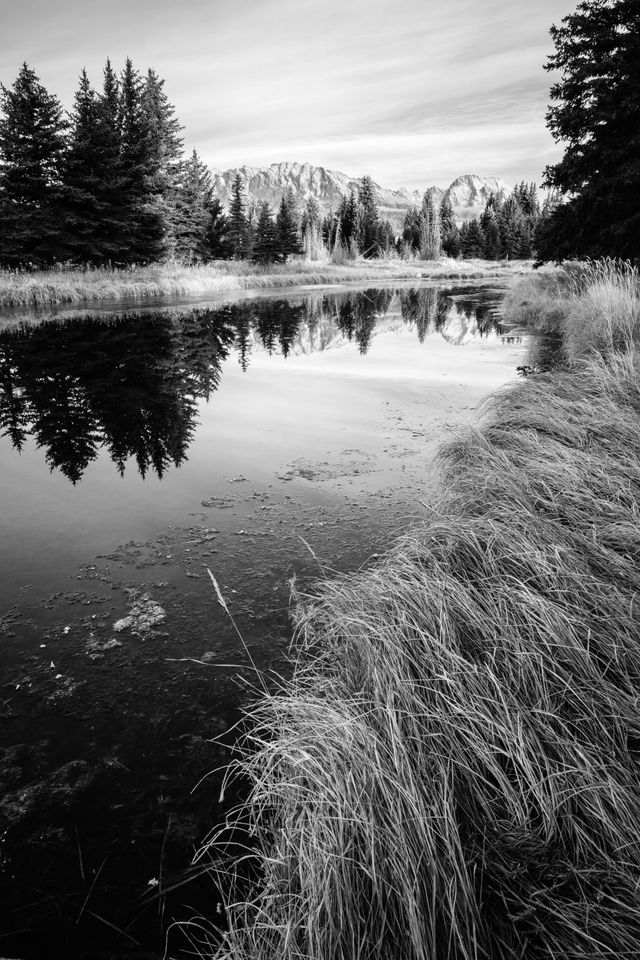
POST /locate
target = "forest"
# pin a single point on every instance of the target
(109, 184)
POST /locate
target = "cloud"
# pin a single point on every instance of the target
(340, 82)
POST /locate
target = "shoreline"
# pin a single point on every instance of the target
(42, 289)
(453, 765)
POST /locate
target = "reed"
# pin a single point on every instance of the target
(453, 770)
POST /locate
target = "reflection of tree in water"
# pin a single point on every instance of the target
(429, 308)
(130, 386)
(277, 322)
(356, 314)
(419, 309)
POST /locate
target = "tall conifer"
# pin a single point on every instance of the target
(83, 205)
(287, 233)
(265, 244)
(191, 214)
(164, 147)
(238, 222)
(32, 147)
(368, 218)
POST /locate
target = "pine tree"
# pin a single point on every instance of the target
(265, 244)
(386, 237)
(164, 145)
(82, 170)
(411, 230)
(113, 229)
(140, 162)
(595, 112)
(132, 162)
(449, 233)
(288, 235)
(491, 231)
(217, 243)
(368, 219)
(473, 241)
(191, 214)
(238, 222)
(32, 148)
(510, 224)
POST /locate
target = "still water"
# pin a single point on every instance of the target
(263, 439)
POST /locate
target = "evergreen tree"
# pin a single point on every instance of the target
(132, 165)
(32, 148)
(191, 215)
(82, 170)
(510, 221)
(217, 244)
(113, 228)
(473, 241)
(164, 176)
(595, 110)
(411, 230)
(489, 223)
(367, 228)
(526, 196)
(386, 237)
(141, 174)
(238, 222)
(449, 233)
(287, 233)
(265, 245)
(345, 225)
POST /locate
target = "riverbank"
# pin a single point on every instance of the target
(454, 767)
(50, 287)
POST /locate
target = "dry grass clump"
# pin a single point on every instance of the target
(596, 305)
(454, 769)
(539, 300)
(604, 311)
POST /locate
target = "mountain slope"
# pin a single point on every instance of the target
(468, 193)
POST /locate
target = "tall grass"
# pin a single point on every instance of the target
(63, 286)
(595, 304)
(454, 769)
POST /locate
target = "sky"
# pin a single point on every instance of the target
(411, 92)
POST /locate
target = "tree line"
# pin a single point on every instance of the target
(109, 183)
(106, 183)
(354, 229)
(507, 229)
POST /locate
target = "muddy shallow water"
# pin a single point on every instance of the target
(265, 439)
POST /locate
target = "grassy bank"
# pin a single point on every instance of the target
(47, 288)
(454, 769)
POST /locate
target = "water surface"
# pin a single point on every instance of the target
(264, 439)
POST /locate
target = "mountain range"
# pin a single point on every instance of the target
(467, 193)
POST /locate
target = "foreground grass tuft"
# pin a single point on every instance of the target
(454, 769)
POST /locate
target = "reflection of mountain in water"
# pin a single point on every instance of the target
(131, 384)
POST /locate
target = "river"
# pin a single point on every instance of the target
(266, 439)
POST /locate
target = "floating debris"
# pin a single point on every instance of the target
(143, 615)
